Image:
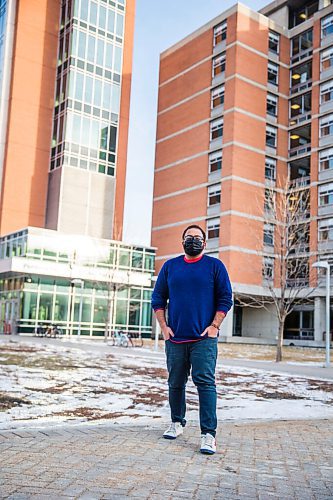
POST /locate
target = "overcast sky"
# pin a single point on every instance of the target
(159, 24)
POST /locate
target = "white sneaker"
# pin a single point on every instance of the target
(208, 444)
(174, 430)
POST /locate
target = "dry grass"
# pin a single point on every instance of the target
(260, 352)
(8, 402)
(268, 353)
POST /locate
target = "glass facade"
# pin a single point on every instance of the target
(3, 12)
(87, 97)
(116, 295)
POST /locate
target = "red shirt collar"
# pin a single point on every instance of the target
(192, 261)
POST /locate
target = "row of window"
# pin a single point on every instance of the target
(101, 16)
(94, 91)
(110, 256)
(96, 51)
(52, 306)
(325, 232)
(325, 163)
(297, 271)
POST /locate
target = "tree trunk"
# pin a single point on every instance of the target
(280, 341)
(108, 322)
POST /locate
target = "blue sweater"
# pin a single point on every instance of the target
(195, 291)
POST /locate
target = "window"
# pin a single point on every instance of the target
(120, 25)
(302, 13)
(215, 161)
(300, 138)
(327, 26)
(273, 42)
(84, 10)
(325, 230)
(301, 43)
(273, 72)
(269, 235)
(102, 17)
(300, 105)
(213, 228)
(301, 75)
(218, 65)
(269, 200)
(326, 58)
(216, 129)
(214, 195)
(81, 51)
(268, 268)
(272, 101)
(326, 159)
(111, 21)
(326, 194)
(270, 169)
(93, 13)
(271, 136)
(326, 126)
(217, 96)
(220, 32)
(326, 92)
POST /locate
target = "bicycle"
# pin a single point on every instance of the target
(135, 339)
(53, 331)
(120, 339)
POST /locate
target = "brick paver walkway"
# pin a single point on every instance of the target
(284, 460)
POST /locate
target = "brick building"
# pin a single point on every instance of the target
(246, 104)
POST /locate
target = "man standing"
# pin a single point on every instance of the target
(198, 292)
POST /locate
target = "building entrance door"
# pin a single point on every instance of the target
(9, 316)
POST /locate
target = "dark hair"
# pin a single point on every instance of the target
(194, 226)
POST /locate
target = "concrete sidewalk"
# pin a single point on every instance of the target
(296, 369)
(283, 460)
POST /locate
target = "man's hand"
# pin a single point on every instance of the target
(211, 331)
(167, 333)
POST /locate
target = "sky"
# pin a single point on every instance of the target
(159, 24)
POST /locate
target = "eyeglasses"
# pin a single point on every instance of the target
(193, 238)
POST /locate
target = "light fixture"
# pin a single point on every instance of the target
(296, 76)
(303, 15)
(295, 106)
(293, 122)
(294, 136)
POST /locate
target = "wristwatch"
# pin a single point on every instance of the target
(215, 326)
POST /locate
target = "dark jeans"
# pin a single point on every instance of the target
(201, 357)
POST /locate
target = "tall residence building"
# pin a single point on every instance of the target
(246, 106)
(65, 78)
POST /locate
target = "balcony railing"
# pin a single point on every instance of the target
(302, 55)
(299, 334)
(300, 87)
(295, 120)
(299, 182)
(300, 150)
(297, 282)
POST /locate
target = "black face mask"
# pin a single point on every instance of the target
(193, 246)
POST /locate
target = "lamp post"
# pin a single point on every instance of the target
(326, 265)
(74, 282)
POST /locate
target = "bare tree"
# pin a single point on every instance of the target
(285, 265)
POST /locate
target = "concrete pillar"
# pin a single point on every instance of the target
(319, 318)
(323, 4)
(227, 325)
